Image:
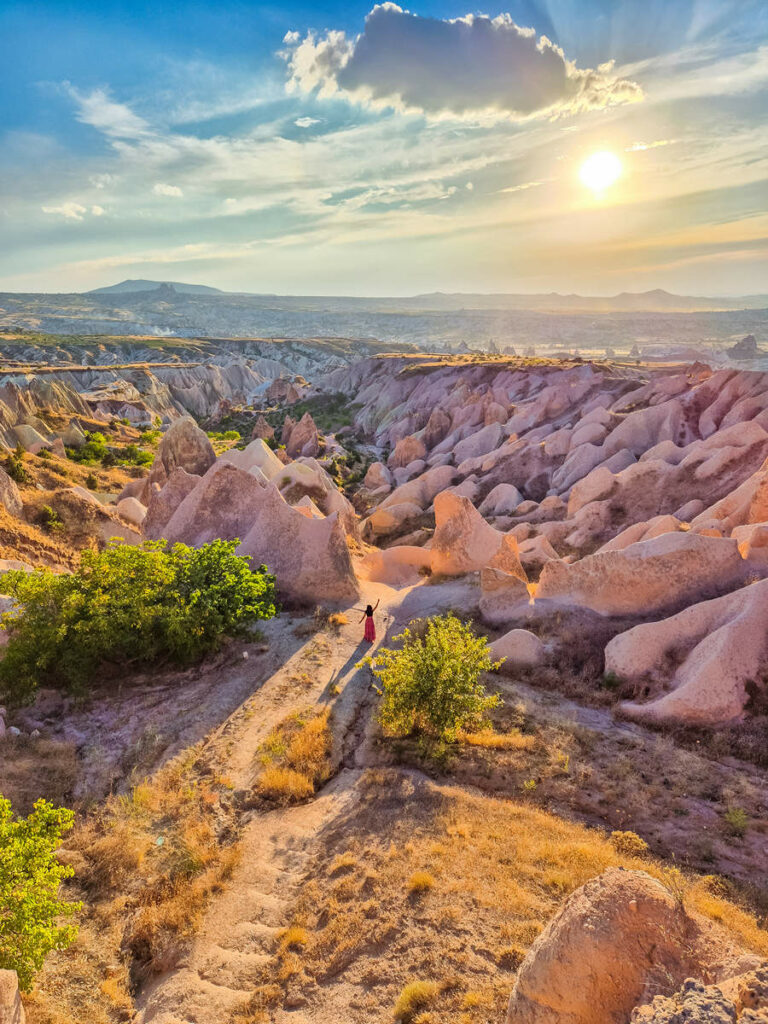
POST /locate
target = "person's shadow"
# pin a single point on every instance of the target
(357, 654)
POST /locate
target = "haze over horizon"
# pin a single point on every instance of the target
(327, 149)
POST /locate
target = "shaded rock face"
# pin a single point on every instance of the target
(220, 505)
(743, 998)
(726, 641)
(303, 438)
(163, 503)
(647, 576)
(9, 494)
(263, 430)
(745, 349)
(519, 648)
(503, 596)
(406, 451)
(11, 1010)
(616, 942)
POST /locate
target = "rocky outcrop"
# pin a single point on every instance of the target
(464, 542)
(646, 577)
(519, 648)
(616, 942)
(11, 1010)
(263, 430)
(406, 451)
(164, 502)
(10, 497)
(504, 596)
(725, 645)
(185, 446)
(303, 439)
(743, 998)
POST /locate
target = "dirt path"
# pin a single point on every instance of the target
(219, 972)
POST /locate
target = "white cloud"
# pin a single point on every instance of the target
(306, 122)
(161, 189)
(70, 211)
(469, 186)
(99, 110)
(97, 211)
(640, 147)
(523, 187)
(101, 181)
(474, 65)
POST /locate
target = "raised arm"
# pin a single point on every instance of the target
(376, 605)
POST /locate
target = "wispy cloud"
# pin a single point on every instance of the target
(113, 119)
(172, 191)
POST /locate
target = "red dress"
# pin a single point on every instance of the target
(370, 629)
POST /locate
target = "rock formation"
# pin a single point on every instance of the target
(464, 542)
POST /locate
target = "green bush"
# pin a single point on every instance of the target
(94, 450)
(14, 466)
(432, 683)
(50, 520)
(92, 482)
(127, 607)
(31, 912)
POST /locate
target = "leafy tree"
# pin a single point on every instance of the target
(127, 607)
(432, 683)
(32, 915)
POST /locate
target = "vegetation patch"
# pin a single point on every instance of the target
(295, 758)
(127, 607)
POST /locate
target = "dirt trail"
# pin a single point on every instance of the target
(219, 972)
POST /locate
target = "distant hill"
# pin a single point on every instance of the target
(655, 301)
(151, 286)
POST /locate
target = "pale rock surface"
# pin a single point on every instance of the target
(696, 1003)
(647, 576)
(257, 455)
(464, 542)
(423, 490)
(11, 1009)
(503, 596)
(72, 435)
(306, 477)
(588, 433)
(164, 502)
(184, 445)
(28, 437)
(86, 495)
(618, 940)
(642, 531)
(535, 552)
(594, 486)
(502, 500)
(222, 504)
(309, 557)
(377, 476)
(397, 565)
(519, 648)
(727, 644)
(10, 496)
(480, 443)
(132, 510)
(386, 520)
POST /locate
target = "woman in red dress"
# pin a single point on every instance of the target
(370, 629)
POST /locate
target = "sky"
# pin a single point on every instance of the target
(350, 149)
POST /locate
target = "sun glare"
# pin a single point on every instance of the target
(600, 171)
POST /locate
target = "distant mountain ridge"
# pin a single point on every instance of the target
(142, 285)
(655, 301)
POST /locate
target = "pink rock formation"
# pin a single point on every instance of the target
(464, 542)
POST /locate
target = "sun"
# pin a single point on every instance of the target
(600, 171)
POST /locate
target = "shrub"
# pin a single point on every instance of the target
(295, 758)
(420, 881)
(30, 908)
(128, 606)
(736, 822)
(14, 466)
(629, 844)
(432, 683)
(91, 482)
(50, 520)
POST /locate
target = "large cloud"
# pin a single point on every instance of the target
(468, 66)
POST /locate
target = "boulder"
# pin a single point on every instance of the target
(437, 428)
(519, 648)
(164, 502)
(132, 510)
(464, 542)
(397, 565)
(86, 495)
(220, 505)
(72, 435)
(618, 940)
(725, 641)
(261, 429)
(133, 489)
(501, 501)
(183, 445)
(594, 486)
(479, 443)
(288, 424)
(10, 496)
(11, 1010)
(406, 450)
(535, 552)
(377, 476)
(303, 439)
(696, 1003)
(307, 478)
(29, 438)
(384, 521)
(503, 596)
(257, 455)
(647, 576)
(424, 488)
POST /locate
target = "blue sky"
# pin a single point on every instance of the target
(345, 149)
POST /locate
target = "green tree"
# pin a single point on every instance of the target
(32, 916)
(431, 684)
(127, 607)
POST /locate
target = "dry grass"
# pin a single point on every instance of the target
(504, 870)
(420, 881)
(295, 758)
(146, 864)
(491, 740)
(34, 768)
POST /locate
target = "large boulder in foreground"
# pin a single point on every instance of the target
(11, 1010)
(646, 577)
(617, 941)
(309, 557)
(221, 505)
(726, 645)
(464, 542)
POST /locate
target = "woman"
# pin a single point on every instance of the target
(370, 629)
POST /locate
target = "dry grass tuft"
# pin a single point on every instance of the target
(421, 881)
(295, 758)
(491, 740)
(414, 997)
